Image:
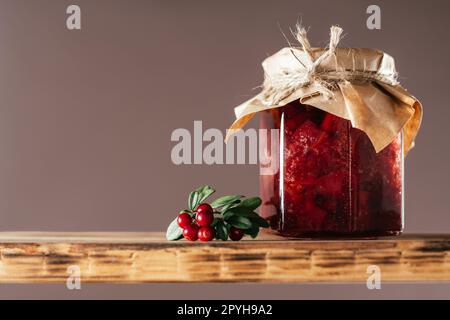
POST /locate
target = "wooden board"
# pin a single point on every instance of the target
(33, 257)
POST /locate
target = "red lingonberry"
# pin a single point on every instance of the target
(184, 219)
(190, 232)
(206, 233)
(204, 215)
(236, 234)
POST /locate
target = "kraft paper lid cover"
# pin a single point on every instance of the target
(357, 84)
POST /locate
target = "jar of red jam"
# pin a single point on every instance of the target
(342, 124)
(329, 180)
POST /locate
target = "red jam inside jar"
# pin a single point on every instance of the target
(329, 181)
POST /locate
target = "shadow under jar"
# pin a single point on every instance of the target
(329, 181)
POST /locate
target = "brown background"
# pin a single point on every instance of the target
(86, 116)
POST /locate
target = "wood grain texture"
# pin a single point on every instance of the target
(147, 257)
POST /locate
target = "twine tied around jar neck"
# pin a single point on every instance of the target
(277, 87)
(302, 38)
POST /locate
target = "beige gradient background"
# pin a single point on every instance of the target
(86, 117)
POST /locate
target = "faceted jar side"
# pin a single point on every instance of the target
(330, 181)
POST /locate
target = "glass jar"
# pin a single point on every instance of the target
(329, 181)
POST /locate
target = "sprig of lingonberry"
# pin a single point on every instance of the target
(226, 217)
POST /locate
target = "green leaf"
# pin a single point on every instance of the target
(239, 222)
(254, 218)
(199, 195)
(227, 215)
(261, 222)
(236, 211)
(193, 200)
(205, 192)
(252, 232)
(221, 231)
(225, 208)
(251, 203)
(174, 232)
(224, 201)
(258, 220)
